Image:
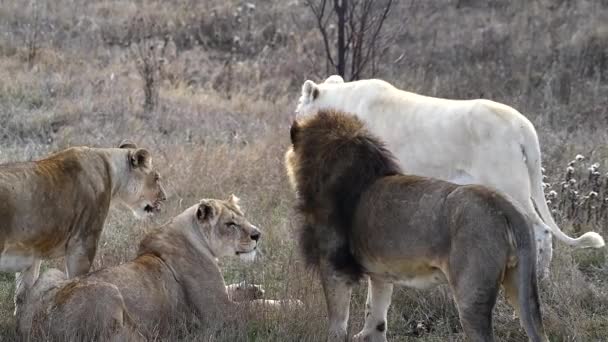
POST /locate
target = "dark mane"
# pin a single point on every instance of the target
(334, 160)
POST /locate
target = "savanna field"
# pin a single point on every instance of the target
(210, 88)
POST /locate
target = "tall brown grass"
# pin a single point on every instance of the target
(220, 127)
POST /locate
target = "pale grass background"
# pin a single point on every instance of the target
(223, 119)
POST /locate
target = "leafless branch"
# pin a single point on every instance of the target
(374, 38)
(358, 24)
(319, 13)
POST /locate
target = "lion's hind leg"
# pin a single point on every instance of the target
(378, 300)
(475, 277)
(511, 292)
(475, 303)
(92, 311)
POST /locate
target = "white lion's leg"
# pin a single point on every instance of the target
(24, 282)
(337, 291)
(544, 249)
(368, 300)
(379, 299)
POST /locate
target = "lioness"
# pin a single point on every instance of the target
(175, 273)
(362, 216)
(57, 206)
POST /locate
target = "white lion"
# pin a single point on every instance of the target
(462, 141)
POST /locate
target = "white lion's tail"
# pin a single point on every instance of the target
(531, 150)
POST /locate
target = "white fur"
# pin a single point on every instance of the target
(464, 141)
(248, 257)
(376, 308)
(334, 79)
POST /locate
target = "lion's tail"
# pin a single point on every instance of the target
(527, 287)
(531, 152)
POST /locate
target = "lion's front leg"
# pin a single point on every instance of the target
(378, 300)
(337, 291)
(79, 255)
(24, 282)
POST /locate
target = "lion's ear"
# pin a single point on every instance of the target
(127, 144)
(205, 211)
(234, 200)
(334, 79)
(293, 132)
(310, 91)
(141, 158)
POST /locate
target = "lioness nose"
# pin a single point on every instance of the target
(255, 235)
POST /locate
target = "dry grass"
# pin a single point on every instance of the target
(225, 100)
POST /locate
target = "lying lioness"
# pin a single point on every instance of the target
(363, 217)
(57, 206)
(174, 274)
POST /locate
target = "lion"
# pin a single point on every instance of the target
(461, 141)
(174, 274)
(57, 206)
(361, 216)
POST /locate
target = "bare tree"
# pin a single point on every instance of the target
(148, 51)
(356, 26)
(33, 35)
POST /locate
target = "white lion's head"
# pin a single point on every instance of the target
(308, 102)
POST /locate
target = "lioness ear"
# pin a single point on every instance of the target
(293, 132)
(310, 91)
(141, 158)
(205, 212)
(234, 200)
(127, 144)
(334, 79)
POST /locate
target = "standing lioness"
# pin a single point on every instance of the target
(57, 206)
(362, 216)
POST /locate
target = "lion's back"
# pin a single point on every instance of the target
(40, 199)
(81, 310)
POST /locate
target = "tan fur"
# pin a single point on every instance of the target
(174, 274)
(57, 206)
(106, 319)
(363, 217)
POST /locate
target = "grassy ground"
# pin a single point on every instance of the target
(220, 127)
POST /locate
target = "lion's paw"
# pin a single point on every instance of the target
(277, 303)
(242, 291)
(370, 336)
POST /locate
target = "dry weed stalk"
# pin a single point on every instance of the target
(580, 197)
(33, 36)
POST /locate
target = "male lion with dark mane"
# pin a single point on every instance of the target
(57, 206)
(363, 217)
(174, 274)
